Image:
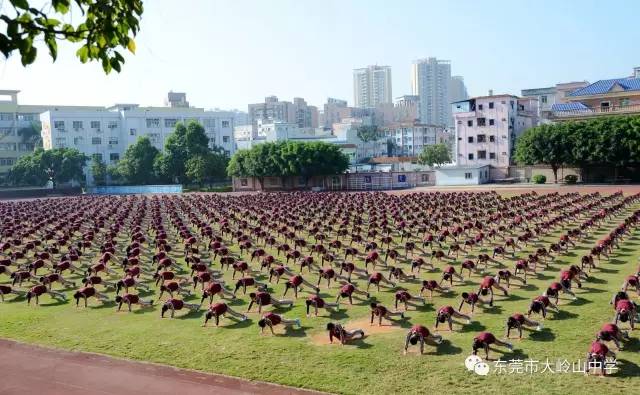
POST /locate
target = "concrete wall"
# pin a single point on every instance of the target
(446, 177)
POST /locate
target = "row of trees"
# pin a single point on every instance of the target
(607, 141)
(187, 159)
(58, 165)
(289, 158)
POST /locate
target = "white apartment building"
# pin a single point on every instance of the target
(549, 96)
(372, 86)
(487, 128)
(298, 112)
(107, 132)
(410, 138)
(431, 81)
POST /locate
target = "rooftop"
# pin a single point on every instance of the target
(606, 86)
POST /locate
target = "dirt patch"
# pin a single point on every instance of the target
(387, 326)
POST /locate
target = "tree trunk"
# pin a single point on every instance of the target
(555, 173)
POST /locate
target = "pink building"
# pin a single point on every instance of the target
(488, 126)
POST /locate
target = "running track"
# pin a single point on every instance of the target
(28, 369)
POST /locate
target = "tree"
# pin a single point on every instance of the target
(183, 143)
(196, 169)
(545, 144)
(436, 154)
(101, 26)
(137, 164)
(207, 167)
(31, 134)
(99, 171)
(368, 133)
(58, 165)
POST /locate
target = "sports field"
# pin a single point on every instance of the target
(376, 364)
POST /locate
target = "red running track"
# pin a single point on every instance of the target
(28, 369)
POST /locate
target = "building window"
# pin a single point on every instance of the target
(113, 141)
(225, 124)
(7, 132)
(28, 117)
(482, 138)
(482, 154)
(78, 140)
(490, 104)
(170, 122)
(97, 157)
(61, 142)
(244, 182)
(58, 125)
(114, 157)
(12, 146)
(480, 107)
(492, 139)
(543, 99)
(7, 161)
(468, 176)
(504, 154)
(470, 139)
(153, 122)
(6, 116)
(482, 121)
(470, 123)
(459, 122)
(154, 137)
(624, 101)
(96, 140)
(112, 124)
(470, 156)
(492, 122)
(132, 132)
(492, 155)
(425, 177)
(95, 124)
(77, 125)
(225, 139)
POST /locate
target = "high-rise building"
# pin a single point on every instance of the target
(298, 112)
(431, 80)
(372, 86)
(334, 111)
(457, 89)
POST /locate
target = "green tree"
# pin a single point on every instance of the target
(207, 167)
(137, 164)
(31, 134)
(196, 169)
(367, 134)
(58, 165)
(101, 27)
(545, 144)
(183, 143)
(98, 170)
(436, 154)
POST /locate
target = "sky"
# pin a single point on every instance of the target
(228, 53)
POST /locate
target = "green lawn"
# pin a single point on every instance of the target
(375, 365)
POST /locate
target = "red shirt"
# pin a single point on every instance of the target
(610, 328)
(487, 282)
(218, 308)
(403, 295)
(566, 275)
(39, 290)
(518, 317)
(556, 287)
(295, 280)
(274, 318)
(131, 298)
(263, 298)
(317, 300)
(421, 330)
(446, 309)
(87, 291)
(599, 349)
(375, 277)
(176, 303)
(347, 289)
(624, 304)
(545, 301)
(486, 338)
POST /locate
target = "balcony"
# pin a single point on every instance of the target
(589, 112)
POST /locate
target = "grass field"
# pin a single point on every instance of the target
(375, 365)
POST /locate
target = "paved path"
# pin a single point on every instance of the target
(28, 369)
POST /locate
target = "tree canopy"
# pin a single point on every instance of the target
(101, 27)
(289, 158)
(59, 165)
(98, 171)
(368, 133)
(137, 164)
(606, 141)
(436, 154)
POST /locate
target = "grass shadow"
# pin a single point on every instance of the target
(578, 302)
(492, 309)
(593, 290)
(595, 280)
(545, 335)
(474, 326)
(237, 324)
(290, 331)
(104, 305)
(446, 347)
(627, 368)
(55, 302)
(563, 315)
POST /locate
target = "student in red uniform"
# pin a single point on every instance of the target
(215, 288)
(51, 278)
(554, 291)
(431, 285)
(540, 304)
(8, 290)
(248, 282)
(378, 310)
(487, 285)
(264, 299)
(447, 313)
(407, 299)
(626, 311)
(272, 319)
(471, 298)
(177, 304)
(40, 289)
(347, 290)
(596, 357)
(296, 283)
(337, 331)
(172, 287)
(87, 292)
(221, 309)
(448, 274)
(631, 281)
(420, 333)
(484, 340)
(376, 278)
(317, 302)
(131, 299)
(518, 321)
(611, 333)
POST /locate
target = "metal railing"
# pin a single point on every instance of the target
(595, 111)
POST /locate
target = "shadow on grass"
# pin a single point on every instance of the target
(607, 271)
(361, 343)
(544, 277)
(595, 280)
(104, 305)
(445, 348)
(508, 355)
(290, 331)
(579, 302)
(237, 324)
(593, 290)
(545, 335)
(513, 297)
(627, 368)
(492, 309)
(563, 315)
(474, 326)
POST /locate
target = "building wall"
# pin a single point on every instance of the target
(469, 176)
(372, 86)
(430, 80)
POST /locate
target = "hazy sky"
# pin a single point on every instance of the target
(227, 53)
